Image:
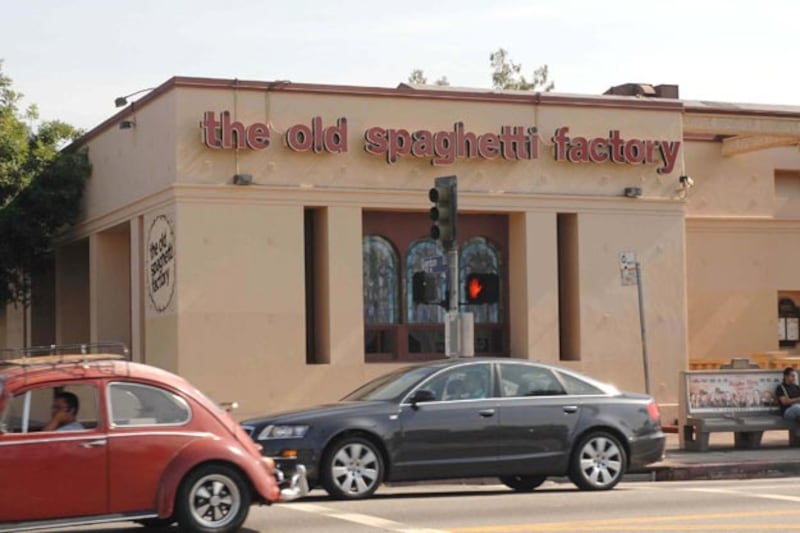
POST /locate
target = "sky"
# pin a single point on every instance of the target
(73, 58)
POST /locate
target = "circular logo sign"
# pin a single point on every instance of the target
(161, 262)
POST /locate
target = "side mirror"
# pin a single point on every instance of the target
(422, 396)
(229, 406)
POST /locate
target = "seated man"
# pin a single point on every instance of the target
(788, 395)
(65, 413)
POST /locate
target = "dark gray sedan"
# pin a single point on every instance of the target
(470, 417)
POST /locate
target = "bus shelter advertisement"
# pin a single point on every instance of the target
(723, 391)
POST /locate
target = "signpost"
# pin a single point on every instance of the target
(434, 264)
(631, 273)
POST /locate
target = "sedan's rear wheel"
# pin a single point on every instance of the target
(598, 462)
(213, 499)
(522, 483)
(352, 469)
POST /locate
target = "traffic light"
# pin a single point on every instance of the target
(482, 288)
(424, 289)
(443, 213)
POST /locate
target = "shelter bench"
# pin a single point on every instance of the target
(741, 402)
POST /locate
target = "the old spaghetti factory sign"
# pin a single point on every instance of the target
(444, 147)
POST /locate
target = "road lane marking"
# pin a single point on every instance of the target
(748, 494)
(636, 524)
(363, 519)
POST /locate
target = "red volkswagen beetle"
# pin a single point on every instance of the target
(88, 438)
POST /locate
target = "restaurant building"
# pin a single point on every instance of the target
(260, 238)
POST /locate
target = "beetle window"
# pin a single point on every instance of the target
(32, 410)
(132, 404)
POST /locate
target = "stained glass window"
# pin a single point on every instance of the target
(381, 281)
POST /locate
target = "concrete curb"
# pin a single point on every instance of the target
(710, 471)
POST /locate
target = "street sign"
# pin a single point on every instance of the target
(627, 268)
(434, 263)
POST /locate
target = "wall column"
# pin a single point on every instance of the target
(136, 290)
(110, 285)
(340, 295)
(533, 282)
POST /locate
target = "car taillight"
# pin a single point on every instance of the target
(653, 411)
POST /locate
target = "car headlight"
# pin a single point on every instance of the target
(282, 432)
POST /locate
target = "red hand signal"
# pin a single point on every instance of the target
(475, 288)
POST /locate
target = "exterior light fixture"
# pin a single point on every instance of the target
(633, 192)
(686, 182)
(120, 101)
(242, 179)
(127, 124)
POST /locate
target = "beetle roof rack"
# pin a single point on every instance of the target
(64, 353)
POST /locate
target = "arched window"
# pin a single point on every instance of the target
(480, 255)
(381, 281)
(423, 313)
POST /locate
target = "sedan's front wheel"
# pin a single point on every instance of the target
(352, 469)
(213, 499)
(598, 462)
(522, 483)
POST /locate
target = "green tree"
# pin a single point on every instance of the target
(506, 75)
(41, 185)
(417, 77)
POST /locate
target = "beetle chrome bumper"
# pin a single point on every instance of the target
(294, 487)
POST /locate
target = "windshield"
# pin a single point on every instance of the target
(392, 386)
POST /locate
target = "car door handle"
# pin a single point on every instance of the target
(94, 444)
(486, 413)
(570, 408)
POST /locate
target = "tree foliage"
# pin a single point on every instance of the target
(505, 75)
(41, 184)
(417, 77)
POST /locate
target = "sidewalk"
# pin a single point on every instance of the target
(773, 459)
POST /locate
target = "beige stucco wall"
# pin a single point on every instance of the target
(278, 165)
(110, 287)
(533, 271)
(740, 186)
(272, 323)
(742, 248)
(736, 269)
(131, 165)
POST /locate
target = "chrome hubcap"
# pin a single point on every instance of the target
(215, 500)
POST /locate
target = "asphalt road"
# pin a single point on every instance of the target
(697, 506)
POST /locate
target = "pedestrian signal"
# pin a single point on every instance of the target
(482, 288)
(424, 289)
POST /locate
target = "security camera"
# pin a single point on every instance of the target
(686, 182)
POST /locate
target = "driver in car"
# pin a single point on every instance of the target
(65, 413)
(475, 387)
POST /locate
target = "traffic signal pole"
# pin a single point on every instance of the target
(458, 329)
(452, 325)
